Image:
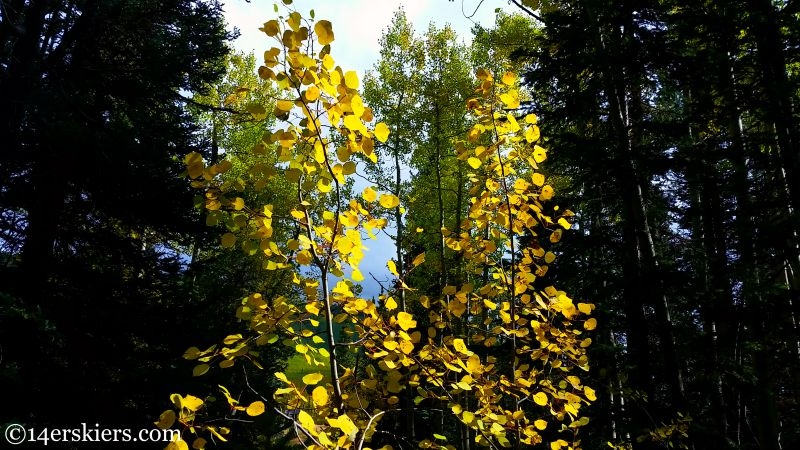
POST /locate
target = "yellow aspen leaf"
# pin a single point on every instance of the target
(389, 201)
(456, 307)
(419, 259)
(589, 393)
(306, 422)
(509, 78)
(590, 324)
(357, 105)
(390, 304)
(255, 409)
(474, 162)
(312, 308)
(538, 179)
(257, 111)
(549, 257)
(180, 444)
(547, 194)
(320, 396)
(191, 402)
(191, 353)
(301, 348)
(540, 424)
(555, 236)
(461, 347)
(200, 369)
(467, 417)
(539, 154)
(312, 93)
(312, 379)
(406, 321)
(347, 426)
(392, 268)
(166, 419)
(328, 62)
(585, 308)
(298, 214)
(407, 347)
(281, 376)
(357, 275)
(303, 257)
(351, 79)
(324, 31)
(228, 240)
(531, 119)
(540, 398)
(564, 223)
(284, 105)
(381, 132)
(226, 363)
(199, 444)
(271, 28)
(232, 339)
(425, 301)
(324, 185)
(489, 304)
(349, 168)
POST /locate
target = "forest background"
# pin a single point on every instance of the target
(673, 136)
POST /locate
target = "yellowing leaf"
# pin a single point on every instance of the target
(357, 275)
(180, 444)
(419, 259)
(547, 194)
(540, 398)
(351, 79)
(540, 424)
(320, 396)
(589, 393)
(255, 409)
(509, 78)
(369, 194)
(538, 179)
(474, 162)
(391, 304)
(312, 93)
(389, 201)
(312, 379)
(585, 308)
(166, 419)
(281, 376)
(200, 369)
(347, 426)
(381, 132)
(191, 402)
(406, 321)
(306, 421)
(199, 444)
(228, 240)
(590, 324)
(460, 347)
(271, 28)
(392, 268)
(324, 31)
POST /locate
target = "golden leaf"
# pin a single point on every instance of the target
(369, 194)
(540, 398)
(390, 304)
(351, 79)
(166, 419)
(200, 369)
(312, 379)
(389, 201)
(419, 259)
(324, 32)
(381, 132)
(406, 321)
(540, 424)
(590, 324)
(474, 162)
(320, 396)
(255, 409)
(392, 267)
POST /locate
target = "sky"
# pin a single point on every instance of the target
(358, 24)
(357, 27)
